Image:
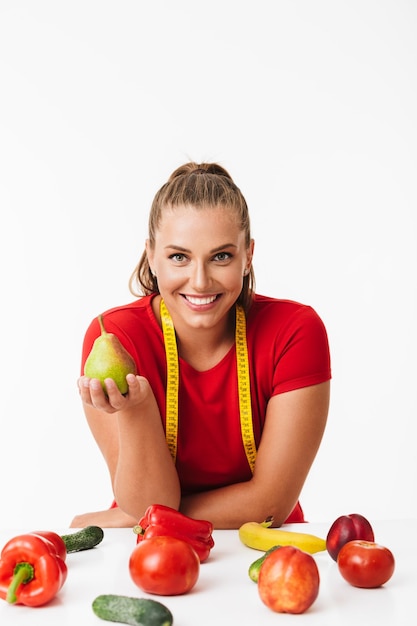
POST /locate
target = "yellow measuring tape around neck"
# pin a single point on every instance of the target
(245, 407)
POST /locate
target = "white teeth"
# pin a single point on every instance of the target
(200, 301)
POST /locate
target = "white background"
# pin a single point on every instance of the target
(311, 105)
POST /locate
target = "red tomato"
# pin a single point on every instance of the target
(365, 563)
(289, 580)
(165, 566)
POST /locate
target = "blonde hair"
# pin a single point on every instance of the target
(204, 185)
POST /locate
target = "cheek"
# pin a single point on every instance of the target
(169, 274)
(235, 283)
(171, 279)
(230, 278)
(233, 277)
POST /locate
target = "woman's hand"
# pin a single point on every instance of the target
(110, 518)
(92, 393)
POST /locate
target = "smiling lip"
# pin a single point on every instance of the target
(200, 300)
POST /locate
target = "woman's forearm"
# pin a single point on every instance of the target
(232, 506)
(145, 472)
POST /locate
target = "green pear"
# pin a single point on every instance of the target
(109, 359)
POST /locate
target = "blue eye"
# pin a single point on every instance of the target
(178, 257)
(223, 256)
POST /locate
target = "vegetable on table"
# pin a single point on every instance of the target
(262, 537)
(57, 541)
(164, 565)
(365, 563)
(160, 520)
(83, 539)
(31, 570)
(133, 611)
(33, 565)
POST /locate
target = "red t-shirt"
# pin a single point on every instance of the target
(287, 349)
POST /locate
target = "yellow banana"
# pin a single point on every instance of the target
(261, 537)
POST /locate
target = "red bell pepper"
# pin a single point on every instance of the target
(57, 540)
(31, 571)
(160, 520)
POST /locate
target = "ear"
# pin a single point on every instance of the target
(149, 253)
(249, 252)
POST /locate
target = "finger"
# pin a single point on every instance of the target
(99, 398)
(84, 389)
(133, 383)
(138, 387)
(115, 398)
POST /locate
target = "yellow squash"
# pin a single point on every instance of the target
(262, 537)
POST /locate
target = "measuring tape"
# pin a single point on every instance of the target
(242, 361)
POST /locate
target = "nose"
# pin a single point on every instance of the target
(199, 278)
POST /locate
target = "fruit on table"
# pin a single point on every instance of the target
(109, 359)
(133, 611)
(289, 580)
(347, 528)
(262, 537)
(254, 568)
(164, 565)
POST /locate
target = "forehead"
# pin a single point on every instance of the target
(186, 217)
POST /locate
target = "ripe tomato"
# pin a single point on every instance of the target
(365, 563)
(289, 580)
(164, 566)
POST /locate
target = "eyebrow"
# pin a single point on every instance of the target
(217, 249)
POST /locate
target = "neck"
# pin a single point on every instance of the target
(212, 342)
(204, 348)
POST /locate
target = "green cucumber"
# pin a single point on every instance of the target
(255, 567)
(134, 611)
(83, 539)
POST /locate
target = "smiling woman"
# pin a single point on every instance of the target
(232, 387)
(201, 283)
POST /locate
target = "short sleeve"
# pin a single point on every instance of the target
(302, 355)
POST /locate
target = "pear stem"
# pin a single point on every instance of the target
(100, 321)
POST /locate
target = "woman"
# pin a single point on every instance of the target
(226, 414)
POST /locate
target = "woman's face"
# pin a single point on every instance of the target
(199, 259)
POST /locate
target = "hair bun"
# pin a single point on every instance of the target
(200, 169)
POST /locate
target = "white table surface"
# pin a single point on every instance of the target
(224, 594)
